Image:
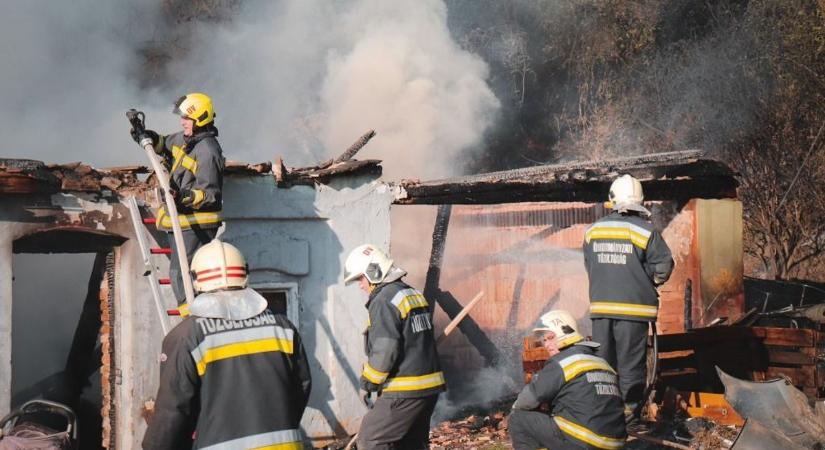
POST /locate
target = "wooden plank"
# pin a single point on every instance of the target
(780, 356)
(677, 363)
(793, 337)
(800, 376)
(820, 378)
(704, 337)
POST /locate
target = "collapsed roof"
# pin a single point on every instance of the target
(665, 176)
(25, 176)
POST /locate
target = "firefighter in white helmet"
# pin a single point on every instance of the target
(233, 373)
(583, 407)
(402, 365)
(626, 259)
(195, 163)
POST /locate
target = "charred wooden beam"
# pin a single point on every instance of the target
(442, 224)
(680, 181)
(350, 152)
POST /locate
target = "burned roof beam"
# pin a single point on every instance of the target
(673, 180)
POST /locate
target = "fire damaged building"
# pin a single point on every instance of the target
(511, 241)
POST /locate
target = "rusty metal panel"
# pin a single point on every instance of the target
(719, 241)
(527, 259)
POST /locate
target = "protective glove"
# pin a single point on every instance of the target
(185, 197)
(146, 133)
(366, 398)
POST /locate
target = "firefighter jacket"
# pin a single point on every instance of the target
(196, 167)
(583, 395)
(402, 361)
(625, 260)
(235, 384)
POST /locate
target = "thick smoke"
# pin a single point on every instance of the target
(305, 79)
(301, 80)
(66, 79)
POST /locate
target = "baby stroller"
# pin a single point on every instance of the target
(24, 429)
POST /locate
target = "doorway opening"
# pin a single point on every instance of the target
(62, 292)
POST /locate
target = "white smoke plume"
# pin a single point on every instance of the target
(65, 80)
(301, 80)
(305, 79)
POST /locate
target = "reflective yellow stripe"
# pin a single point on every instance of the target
(583, 434)
(164, 221)
(287, 446)
(180, 158)
(570, 340)
(624, 309)
(574, 365)
(279, 440)
(429, 381)
(619, 231)
(375, 376)
(408, 299)
(197, 197)
(184, 309)
(243, 348)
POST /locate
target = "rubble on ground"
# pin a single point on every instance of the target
(476, 431)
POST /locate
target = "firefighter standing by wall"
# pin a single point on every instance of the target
(585, 404)
(196, 164)
(626, 259)
(233, 373)
(402, 363)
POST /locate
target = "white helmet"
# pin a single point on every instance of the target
(369, 261)
(626, 193)
(563, 325)
(218, 265)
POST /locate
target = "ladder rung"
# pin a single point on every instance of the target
(164, 281)
(172, 312)
(160, 251)
(149, 220)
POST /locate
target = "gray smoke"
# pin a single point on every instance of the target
(301, 80)
(305, 79)
(65, 81)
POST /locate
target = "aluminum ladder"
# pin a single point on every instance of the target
(150, 271)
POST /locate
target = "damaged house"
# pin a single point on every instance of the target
(513, 237)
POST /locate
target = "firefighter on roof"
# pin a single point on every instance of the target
(626, 259)
(233, 374)
(585, 405)
(196, 164)
(402, 365)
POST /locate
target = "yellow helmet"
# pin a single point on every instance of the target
(563, 325)
(218, 265)
(195, 106)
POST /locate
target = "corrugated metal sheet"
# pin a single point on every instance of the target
(527, 259)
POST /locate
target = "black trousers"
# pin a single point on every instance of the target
(193, 239)
(397, 423)
(531, 430)
(624, 347)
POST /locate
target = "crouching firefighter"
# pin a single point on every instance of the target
(402, 365)
(196, 164)
(626, 259)
(233, 374)
(584, 408)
